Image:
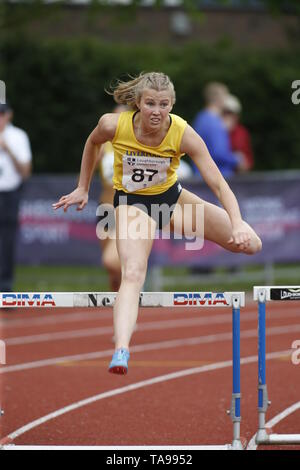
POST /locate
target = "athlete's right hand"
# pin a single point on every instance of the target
(79, 198)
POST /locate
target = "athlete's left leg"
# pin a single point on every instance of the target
(111, 261)
(217, 225)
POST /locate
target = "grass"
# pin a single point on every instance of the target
(93, 278)
(60, 279)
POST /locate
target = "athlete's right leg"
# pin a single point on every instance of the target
(135, 236)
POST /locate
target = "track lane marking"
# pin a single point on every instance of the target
(135, 386)
(146, 326)
(12, 323)
(149, 347)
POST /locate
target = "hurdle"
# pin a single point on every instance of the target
(263, 294)
(235, 300)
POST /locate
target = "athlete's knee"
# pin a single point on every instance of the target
(134, 271)
(234, 248)
(255, 246)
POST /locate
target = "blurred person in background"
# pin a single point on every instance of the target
(239, 136)
(184, 171)
(209, 124)
(15, 168)
(110, 257)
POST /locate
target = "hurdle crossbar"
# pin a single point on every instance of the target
(107, 299)
(263, 294)
(236, 300)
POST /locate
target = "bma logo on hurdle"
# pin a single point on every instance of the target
(200, 298)
(26, 300)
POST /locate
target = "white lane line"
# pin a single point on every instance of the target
(149, 347)
(136, 386)
(50, 319)
(108, 330)
(99, 354)
(59, 335)
(270, 424)
(145, 326)
(55, 319)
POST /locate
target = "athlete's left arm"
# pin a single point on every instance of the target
(195, 147)
(100, 154)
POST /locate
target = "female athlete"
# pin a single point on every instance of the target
(148, 143)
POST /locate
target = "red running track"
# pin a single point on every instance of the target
(56, 358)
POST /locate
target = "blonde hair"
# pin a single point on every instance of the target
(215, 91)
(129, 93)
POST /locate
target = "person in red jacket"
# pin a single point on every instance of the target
(239, 135)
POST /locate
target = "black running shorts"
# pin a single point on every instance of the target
(158, 206)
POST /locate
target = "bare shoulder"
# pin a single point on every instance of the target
(108, 124)
(105, 129)
(190, 141)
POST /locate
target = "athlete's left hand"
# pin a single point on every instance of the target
(240, 236)
(79, 198)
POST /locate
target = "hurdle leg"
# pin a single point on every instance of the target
(235, 411)
(264, 435)
(263, 402)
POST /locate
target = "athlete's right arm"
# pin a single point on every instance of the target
(104, 131)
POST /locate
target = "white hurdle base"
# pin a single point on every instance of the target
(263, 438)
(142, 448)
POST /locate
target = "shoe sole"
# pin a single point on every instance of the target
(120, 370)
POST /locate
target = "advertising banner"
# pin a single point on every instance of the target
(270, 203)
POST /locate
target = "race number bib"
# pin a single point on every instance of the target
(144, 172)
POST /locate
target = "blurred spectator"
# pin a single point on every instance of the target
(184, 171)
(15, 167)
(239, 135)
(110, 257)
(210, 126)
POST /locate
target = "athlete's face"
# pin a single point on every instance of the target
(155, 107)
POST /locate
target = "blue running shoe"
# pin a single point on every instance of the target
(119, 363)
